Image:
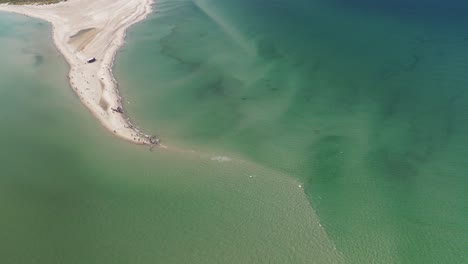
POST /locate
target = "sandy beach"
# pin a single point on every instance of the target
(84, 29)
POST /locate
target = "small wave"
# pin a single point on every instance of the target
(220, 158)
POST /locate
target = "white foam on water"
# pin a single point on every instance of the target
(221, 158)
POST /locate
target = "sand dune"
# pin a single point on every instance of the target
(87, 28)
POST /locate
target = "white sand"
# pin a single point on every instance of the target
(93, 28)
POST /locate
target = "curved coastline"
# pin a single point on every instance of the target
(94, 83)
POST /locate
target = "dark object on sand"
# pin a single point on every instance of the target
(118, 110)
(154, 140)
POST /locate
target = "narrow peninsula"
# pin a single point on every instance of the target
(88, 33)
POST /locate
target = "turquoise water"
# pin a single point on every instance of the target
(72, 193)
(362, 103)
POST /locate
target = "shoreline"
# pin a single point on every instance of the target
(83, 29)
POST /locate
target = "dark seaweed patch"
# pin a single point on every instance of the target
(38, 60)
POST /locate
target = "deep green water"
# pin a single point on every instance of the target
(362, 102)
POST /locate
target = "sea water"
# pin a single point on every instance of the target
(70, 192)
(364, 102)
(358, 106)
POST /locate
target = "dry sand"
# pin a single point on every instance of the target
(93, 28)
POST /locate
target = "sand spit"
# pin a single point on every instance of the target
(84, 29)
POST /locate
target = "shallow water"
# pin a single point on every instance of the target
(364, 105)
(363, 101)
(72, 193)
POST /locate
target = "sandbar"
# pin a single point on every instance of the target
(84, 29)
